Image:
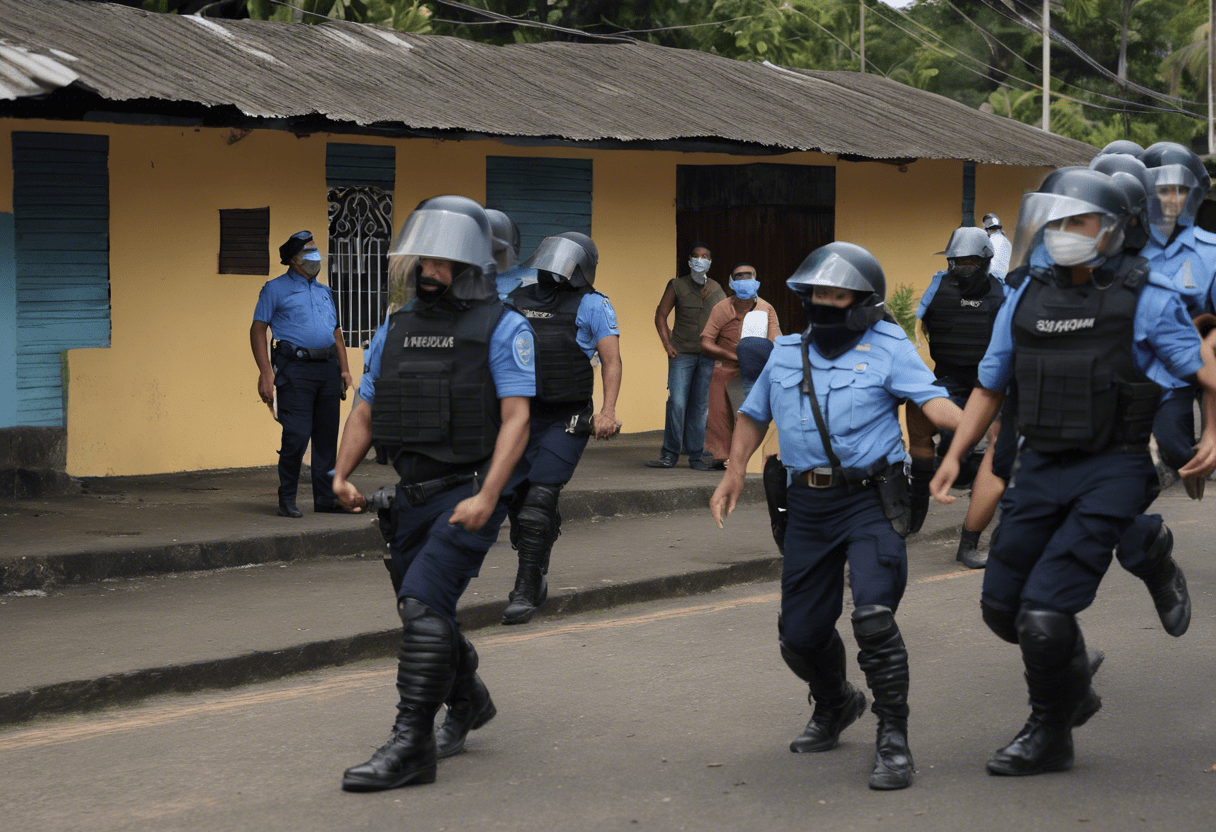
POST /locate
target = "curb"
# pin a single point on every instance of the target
(44, 572)
(83, 696)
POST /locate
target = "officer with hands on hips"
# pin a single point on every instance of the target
(307, 373)
(833, 392)
(956, 315)
(573, 323)
(1088, 340)
(446, 394)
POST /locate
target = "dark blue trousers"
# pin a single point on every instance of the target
(551, 454)
(437, 559)
(828, 527)
(309, 396)
(1059, 525)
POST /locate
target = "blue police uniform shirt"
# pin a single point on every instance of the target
(512, 358)
(1188, 262)
(512, 279)
(298, 310)
(596, 319)
(1165, 343)
(858, 393)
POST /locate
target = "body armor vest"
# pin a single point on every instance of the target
(563, 371)
(435, 395)
(960, 328)
(1079, 388)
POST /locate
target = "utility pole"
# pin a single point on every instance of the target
(1211, 73)
(863, 34)
(1047, 65)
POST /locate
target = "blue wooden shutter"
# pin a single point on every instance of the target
(360, 164)
(61, 212)
(543, 196)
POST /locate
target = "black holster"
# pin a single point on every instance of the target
(892, 486)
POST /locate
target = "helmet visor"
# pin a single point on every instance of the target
(1167, 202)
(446, 235)
(1039, 209)
(827, 268)
(558, 255)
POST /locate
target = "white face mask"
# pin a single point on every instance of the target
(1069, 249)
(699, 265)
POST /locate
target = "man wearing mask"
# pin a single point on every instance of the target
(1001, 247)
(573, 324)
(956, 315)
(307, 373)
(445, 392)
(718, 341)
(692, 296)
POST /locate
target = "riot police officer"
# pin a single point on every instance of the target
(1087, 340)
(445, 393)
(956, 314)
(505, 240)
(573, 323)
(847, 495)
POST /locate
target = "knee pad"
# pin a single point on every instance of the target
(873, 620)
(1001, 622)
(538, 510)
(1047, 633)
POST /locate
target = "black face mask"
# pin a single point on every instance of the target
(429, 289)
(973, 284)
(830, 332)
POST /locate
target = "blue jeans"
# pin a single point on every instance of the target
(688, 376)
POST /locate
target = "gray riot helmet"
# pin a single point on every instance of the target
(1125, 146)
(1130, 174)
(969, 242)
(570, 257)
(842, 266)
(991, 223)
(1172, 165)
(453, 228)
(1068, 193)
(505, 242)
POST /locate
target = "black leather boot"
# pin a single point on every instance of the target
(287, 506)
(1166, 584)
(837, 703)
(969, 554)
(918, 492)
(1091, 703)
(426, 664)
(539, 526)
(469, 704)
(1058, 676)
(884, 659)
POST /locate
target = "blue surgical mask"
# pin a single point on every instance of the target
(310, 263)
(746, 288)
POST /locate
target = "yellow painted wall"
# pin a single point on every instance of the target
(176, 390)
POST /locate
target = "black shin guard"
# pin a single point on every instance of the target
(884, 659)
(539, 526)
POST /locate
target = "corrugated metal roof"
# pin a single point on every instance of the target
(367, 75)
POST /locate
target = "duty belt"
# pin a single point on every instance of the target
(822, 477)
(290, 350)
(418, 493)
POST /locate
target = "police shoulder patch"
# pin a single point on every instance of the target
(524, 350)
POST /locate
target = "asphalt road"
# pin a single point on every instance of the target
(673, 715)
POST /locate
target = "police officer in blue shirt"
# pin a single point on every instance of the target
(1089, 340)
(445, 393)
(1186, 255)
(833, 392)
(573, 323)
(307, 373)
(505, 233)
(956, 315)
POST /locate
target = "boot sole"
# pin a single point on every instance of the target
(891, 785)
(415, 777)
(860, 709)
(1001, 770)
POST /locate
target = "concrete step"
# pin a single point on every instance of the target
(76, 648)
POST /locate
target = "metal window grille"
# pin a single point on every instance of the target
(360, 229)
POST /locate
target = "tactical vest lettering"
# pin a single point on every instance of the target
(435, 395)
(1079, 388)
(563, 371)
(960, 328)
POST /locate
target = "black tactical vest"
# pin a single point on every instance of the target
(563, 371)
(1079, 388)
(960, 328)
(435, 396)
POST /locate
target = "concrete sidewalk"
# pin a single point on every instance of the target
(128, 526)
(151, 585)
